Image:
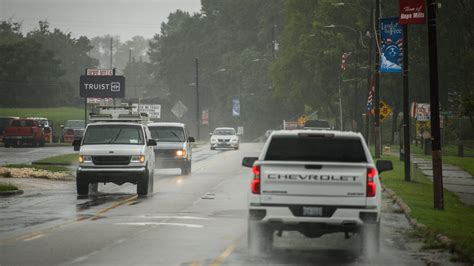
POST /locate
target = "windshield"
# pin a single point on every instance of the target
(348, 150)
(167, 134)
(224, 131)
(113, 134)
(23, 123)
(4, 122)
(75, 123)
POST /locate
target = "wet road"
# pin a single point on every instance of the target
(26, 155)
(198, 219)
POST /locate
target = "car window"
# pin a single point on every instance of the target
(22, 123)
(167, 134)
(294, 148)
(227, 131)
(114, 134)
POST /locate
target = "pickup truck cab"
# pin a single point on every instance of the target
(116, 148)
(316, 183)
(23, 131)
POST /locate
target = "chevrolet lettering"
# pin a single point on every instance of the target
(312, 177)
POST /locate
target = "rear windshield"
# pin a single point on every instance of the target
(286, 148)
(23, 123)
(75, 123)
(114, 134)
(167, 134)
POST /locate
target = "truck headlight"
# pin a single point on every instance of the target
(181, 153)
(85, 158)
(138, 159)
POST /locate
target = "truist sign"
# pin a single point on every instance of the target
(412, 12)
(102, 86)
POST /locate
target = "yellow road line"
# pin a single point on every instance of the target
(33, 237)
(224, 255)
(120, 203)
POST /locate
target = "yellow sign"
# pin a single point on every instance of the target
(385, 110)
(301, 120)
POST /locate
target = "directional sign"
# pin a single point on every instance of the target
(153, 110)
(179, 109)
(102, 86)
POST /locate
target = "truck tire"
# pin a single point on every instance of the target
(259, 237)
(41, 143)
(82, 184)
(7, 144)
(186, 168)
(34, 143)
(143, 184)
(370, 240)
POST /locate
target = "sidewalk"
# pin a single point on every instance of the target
(455, 179)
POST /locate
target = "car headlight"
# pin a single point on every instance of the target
(138, 159)
(233, 140)
(181, 153)
(85, 158)
(213, 140)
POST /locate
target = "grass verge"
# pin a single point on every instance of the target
(66, 159)
(50, 168)
(456, 221)
(7, 187)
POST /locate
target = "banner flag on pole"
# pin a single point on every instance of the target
(391, 34)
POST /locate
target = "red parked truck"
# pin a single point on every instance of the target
(23, 131)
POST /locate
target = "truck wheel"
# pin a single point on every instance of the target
(370, 240)
(186, 169)
(259, 237)
(212, 148)
(7, 144)
(34, 143)
(82, 185)
(143, 184)
(41, 144)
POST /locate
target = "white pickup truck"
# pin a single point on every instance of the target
(316, 183)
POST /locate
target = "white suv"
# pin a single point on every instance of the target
(224, 137)
(316, 183)
(116, 152)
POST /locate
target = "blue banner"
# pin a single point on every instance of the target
(236, 106)
(391, 34)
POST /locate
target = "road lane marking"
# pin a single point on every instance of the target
(176, 217)
(120, 203)
(172, 224)
(224, 255)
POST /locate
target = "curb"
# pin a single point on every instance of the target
(11, 192)
(446, 241)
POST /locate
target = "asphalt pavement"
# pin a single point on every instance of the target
(199, 219)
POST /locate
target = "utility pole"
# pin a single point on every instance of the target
(111, 42)
(434, 104)
(406, 102)
(197, 98)
(369, 73)
(340, 102)
(378, 146)
(129, 55)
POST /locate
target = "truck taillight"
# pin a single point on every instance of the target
(255, 187)
(371, 187)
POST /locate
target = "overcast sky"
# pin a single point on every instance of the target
(125, 18)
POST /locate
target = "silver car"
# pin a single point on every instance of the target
(174, 146)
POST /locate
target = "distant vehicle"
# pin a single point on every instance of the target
(72, 129)
(4, 123)
(23, 131)
(47, 127)
(174, 146)
(315, 183)
(317, 124)
(117, 147)
(224, 137)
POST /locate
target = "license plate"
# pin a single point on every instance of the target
(313, 211)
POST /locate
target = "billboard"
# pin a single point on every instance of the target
(412, 12)
(102, 86)
(391, 34)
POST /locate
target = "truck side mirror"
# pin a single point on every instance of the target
(384, 165)
(191, 139)
(77, 144)
(249, 161)
(151, 142)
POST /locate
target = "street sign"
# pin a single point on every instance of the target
(99, 72)
(153, 110)
(102, 86)
(423, 112)
(385, 110)
(179, 109)
(412, 12)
